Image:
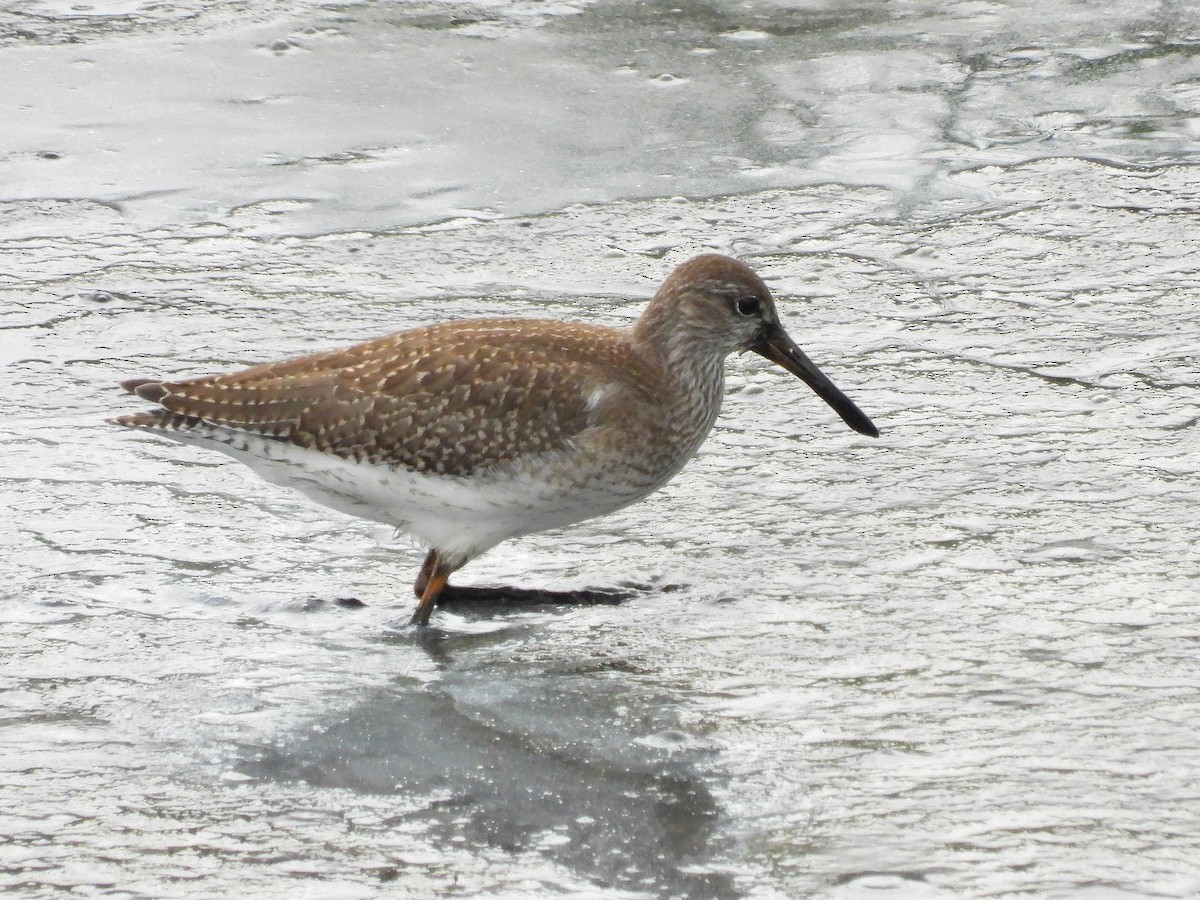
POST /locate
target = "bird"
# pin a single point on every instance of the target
(471, 432)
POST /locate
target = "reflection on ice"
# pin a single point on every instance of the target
(530, 765)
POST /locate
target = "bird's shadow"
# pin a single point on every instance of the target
(479, 604)
(501, 597)
(492, 599)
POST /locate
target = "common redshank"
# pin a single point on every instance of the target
(468, 433)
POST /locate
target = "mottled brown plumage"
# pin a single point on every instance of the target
(467, 433)
(447, 400)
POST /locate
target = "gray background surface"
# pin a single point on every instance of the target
(960, 660)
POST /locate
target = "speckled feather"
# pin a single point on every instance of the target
(448, 399)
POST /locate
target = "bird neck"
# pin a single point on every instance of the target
(694, 366)
(666, 335)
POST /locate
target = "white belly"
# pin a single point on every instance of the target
(461, 517)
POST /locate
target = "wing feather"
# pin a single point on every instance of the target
(448, 399)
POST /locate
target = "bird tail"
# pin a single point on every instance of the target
(155, 419)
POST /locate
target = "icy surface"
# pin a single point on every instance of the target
(960, 660)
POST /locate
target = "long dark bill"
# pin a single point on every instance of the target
(776, 346)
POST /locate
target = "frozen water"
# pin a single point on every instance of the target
(959, 660)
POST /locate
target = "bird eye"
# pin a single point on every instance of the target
(749, 306)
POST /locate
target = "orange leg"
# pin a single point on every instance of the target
(434, 583)
(426, 571)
